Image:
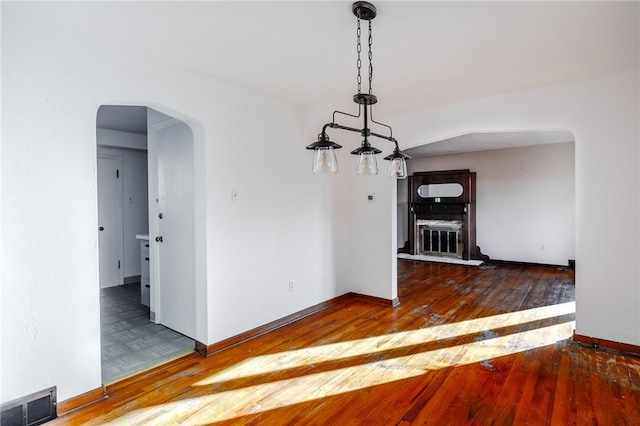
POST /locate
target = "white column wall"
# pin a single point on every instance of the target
(374, 244)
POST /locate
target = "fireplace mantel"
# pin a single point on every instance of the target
(435, 204)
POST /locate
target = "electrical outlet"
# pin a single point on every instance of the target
(541, 247)
(290, 285)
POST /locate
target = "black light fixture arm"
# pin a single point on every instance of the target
(365, 131)
(353, 129)
(381, 124)
(345, 113)
(334, 125)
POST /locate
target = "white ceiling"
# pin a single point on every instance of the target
(482, 141)
(425, 54)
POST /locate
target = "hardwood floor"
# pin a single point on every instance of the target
(467, 345)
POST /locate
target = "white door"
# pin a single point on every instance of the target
(176, 214)
(110, 231)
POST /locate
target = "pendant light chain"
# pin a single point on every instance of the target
(324, 159)
(370, 57)
(358, 61)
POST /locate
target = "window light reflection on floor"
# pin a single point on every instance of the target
(297, 358)
(226, 405)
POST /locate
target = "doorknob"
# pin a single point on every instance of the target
(160, 216)
(159, 239)
(101, 228)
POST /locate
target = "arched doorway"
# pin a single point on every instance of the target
(156, 151)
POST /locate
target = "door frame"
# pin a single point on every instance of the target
(120, 232)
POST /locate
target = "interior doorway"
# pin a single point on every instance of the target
(132, 340)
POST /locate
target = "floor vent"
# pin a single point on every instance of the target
(31, 410)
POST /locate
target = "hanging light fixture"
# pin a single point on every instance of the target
(324, 159)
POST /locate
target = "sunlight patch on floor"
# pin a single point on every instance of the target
(297, 358)
(249, 400)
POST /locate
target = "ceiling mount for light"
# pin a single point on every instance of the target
(364, 10)
(324, 160)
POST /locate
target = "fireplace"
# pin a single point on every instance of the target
(442, 212)
(439, 238)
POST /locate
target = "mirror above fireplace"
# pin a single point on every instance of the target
(439, 190)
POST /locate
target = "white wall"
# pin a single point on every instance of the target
(134, 203)
(275, 231)
(603, 115)
(525, 200)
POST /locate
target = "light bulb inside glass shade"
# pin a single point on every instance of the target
(367, 164)
(324, 160)
(398, 168)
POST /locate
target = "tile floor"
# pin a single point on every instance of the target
(131, 343)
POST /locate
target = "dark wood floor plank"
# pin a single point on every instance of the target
(581, 372)
(628, 372)
(460, 349)
(540, 408)
(564, 407)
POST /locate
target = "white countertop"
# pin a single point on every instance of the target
(143, 237)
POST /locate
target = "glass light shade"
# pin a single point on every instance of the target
(398, 168)
(324, 160)
(367, 164)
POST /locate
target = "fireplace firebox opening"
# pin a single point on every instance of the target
(440, 238)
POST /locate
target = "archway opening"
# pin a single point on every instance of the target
(137, 331)
(525, 191)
